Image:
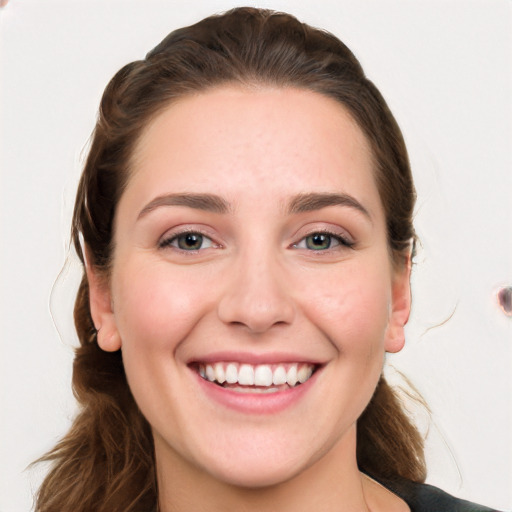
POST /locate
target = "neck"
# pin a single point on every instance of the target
(331, 483)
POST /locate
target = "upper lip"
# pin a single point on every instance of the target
(253, 358)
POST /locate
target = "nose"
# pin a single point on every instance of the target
(256, 295)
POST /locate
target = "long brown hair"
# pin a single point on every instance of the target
(106, 462)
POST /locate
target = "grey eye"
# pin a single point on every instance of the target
(190, 241)
(319, 241)
(322, 241)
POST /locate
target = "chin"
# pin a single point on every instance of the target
(263, 461)
(257, 476)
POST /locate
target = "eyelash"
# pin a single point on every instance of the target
(174, 238)
(168, 242)
(341, 241)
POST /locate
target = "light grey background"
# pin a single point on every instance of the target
(445, 69)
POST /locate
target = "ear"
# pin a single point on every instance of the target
(400, 307)
(100, 303)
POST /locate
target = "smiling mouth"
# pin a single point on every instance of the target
(261, 378)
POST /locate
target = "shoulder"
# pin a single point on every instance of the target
(427, 498)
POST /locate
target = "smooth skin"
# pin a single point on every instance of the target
(242, 270)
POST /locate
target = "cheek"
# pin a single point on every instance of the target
(353, 309)
(155, 310)
(157, 307)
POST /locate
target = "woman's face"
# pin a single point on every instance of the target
(251, 251)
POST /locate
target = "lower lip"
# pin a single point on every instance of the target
(256, 403)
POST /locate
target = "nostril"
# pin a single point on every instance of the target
(256, 314)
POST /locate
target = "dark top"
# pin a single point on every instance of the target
(426, 498)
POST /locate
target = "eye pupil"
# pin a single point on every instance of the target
(190, 241)
(318, 241)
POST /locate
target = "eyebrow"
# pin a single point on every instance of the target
(213, 203)
(206, 202)
(316, 201)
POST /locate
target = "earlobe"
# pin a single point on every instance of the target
(100, 303)
(400, 308)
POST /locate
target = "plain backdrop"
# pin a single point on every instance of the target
(445, 68)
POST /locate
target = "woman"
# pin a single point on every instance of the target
(245, 223)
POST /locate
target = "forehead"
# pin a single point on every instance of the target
(233, 140)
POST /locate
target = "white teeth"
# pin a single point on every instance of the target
(220, 374)
(210, 373)
(246, 375)
(279, 376)
(291, 375)
(231, 374)
(263, 375)
(304, 373)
